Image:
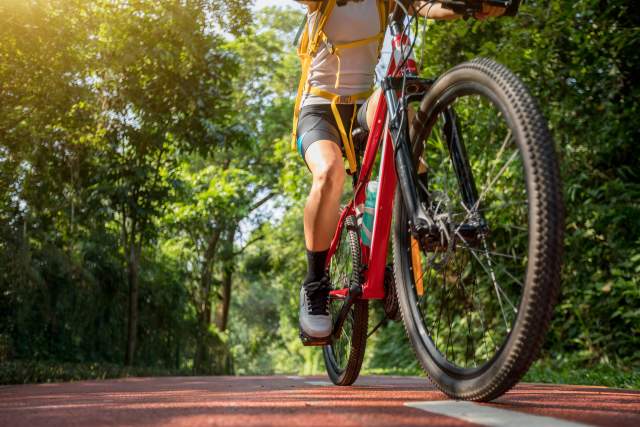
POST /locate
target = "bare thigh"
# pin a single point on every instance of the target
(324, 156)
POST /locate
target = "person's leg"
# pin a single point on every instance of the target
(372, 105)
(321, 212)
(319, 144)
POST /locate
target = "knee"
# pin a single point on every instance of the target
(329, 178)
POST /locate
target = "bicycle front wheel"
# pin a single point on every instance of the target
(477, 293)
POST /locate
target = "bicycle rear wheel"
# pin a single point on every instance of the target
(476, 295)
(343, 357)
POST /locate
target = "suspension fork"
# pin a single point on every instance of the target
(459, 159)
(475, 223)
(419, 221)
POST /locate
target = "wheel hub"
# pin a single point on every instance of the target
(445, 235)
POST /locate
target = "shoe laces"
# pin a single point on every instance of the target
(317, 294)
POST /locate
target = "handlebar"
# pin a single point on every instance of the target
(462, 7)
(466, 8)
(469, 7)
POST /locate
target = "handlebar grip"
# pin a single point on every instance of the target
(512, 9)
(468, 7)
(512, 6)
(460, 7)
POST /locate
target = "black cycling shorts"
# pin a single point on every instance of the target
(317, 122)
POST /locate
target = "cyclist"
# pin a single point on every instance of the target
(332, 95)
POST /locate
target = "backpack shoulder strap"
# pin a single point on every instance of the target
(383, 9)
(324, 12)
(306, 49)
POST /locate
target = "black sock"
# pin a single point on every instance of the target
(316, 266)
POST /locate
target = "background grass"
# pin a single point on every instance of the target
(549, 371)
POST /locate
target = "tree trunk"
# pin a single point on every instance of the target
(177, 352)
(204, 305)
(222, 315)
(133, 262)
(228, 255)
(206, 276)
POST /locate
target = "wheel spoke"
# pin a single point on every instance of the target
(503, 147)
(491, 273)
(498, 254)
(475, 206)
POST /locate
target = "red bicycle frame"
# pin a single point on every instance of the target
(374, 256)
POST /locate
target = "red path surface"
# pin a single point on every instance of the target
(287, 401)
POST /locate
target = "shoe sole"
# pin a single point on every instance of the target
(310, 341)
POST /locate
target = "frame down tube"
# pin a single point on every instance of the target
(377, 261)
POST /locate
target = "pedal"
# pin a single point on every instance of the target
(308, 341)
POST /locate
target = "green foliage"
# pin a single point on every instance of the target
(101, 102)
(266, 338)
(46, 372)
(567, 370)
(391, 352)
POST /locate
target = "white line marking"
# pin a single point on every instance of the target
(322, 383)
(488, 415)
(294, 377)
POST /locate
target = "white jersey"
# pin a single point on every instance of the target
(353, 21)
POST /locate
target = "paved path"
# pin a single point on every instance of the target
(305, 401)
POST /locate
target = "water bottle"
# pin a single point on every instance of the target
(369, 212)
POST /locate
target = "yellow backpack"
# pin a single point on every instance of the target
(307, 49)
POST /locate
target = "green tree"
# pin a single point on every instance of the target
(164, 86)
(222, 198)
(99, 101)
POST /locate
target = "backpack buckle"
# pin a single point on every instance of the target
(325, 40)
(346, 99)
(330, 46)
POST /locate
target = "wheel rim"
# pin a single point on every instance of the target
(466, 291)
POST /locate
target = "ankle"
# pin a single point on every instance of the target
(316, 261)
